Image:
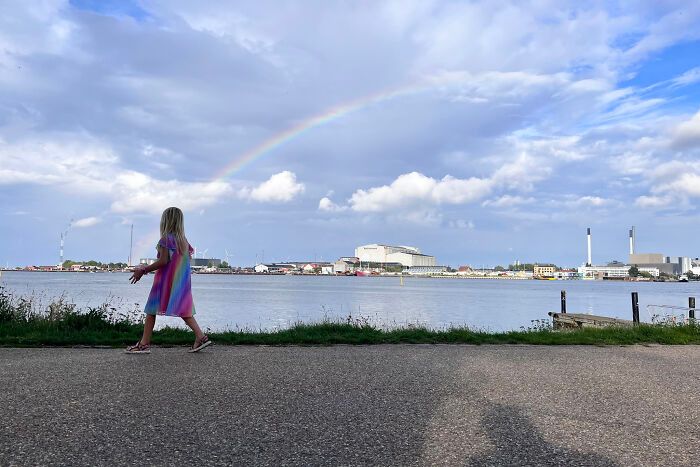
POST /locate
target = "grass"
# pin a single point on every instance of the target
(24, 322)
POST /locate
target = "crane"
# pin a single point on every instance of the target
(227, 256)
(64, 234)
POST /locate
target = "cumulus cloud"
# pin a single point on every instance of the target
(688, 133)
(653, 202)
(415, 187)
(81, 164)
(592, 201)
(136, 192)
(279, 188)
(325, 204)
(87, 222)
(672, 184)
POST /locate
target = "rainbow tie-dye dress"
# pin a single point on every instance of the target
(171, 293)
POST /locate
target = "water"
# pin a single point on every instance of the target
(274, 302)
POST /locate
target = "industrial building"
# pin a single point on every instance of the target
(610, 271)
(543, 270)
(652, 263)
(404, 255)
(426, 270)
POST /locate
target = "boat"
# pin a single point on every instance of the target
(362, 273)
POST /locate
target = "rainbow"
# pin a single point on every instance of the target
(304, 126)
(325, 117)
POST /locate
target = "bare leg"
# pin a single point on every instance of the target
(192, 323)
(148, 329)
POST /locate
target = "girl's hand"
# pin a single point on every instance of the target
(136, 275)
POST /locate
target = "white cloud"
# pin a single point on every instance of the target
(82, 164)
(136, 192)
(461, 224)
(672, 184)
(689, 77)
(77, 163)
(279, 188)
(593, 201)
(688, 133)
(415, 187)
(325, 204)
(87, 222)
(523, 172)
(507, 201)
(653, 202)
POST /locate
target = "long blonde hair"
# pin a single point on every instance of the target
(173, 222)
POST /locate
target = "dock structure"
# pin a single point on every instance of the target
(580, 320)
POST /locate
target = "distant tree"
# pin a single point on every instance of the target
(210, 264)
(691, 275)
(634, 271)
(499, 268)
(224, 265)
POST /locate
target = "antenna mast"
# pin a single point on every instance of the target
(131, 245)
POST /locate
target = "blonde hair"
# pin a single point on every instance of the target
(173, 222)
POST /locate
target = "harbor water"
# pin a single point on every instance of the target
(274, 302)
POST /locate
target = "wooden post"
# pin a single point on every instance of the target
(563, 301)
(635, 307)
(691, 307)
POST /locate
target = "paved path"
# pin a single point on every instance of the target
(376, 405)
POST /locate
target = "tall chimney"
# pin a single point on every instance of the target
(589, 263)
(634, 239)
(631, 242)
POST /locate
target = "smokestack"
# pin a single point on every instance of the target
(589, 263)
(631, 242)
(634, 239)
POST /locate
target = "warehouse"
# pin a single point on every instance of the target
(404, 255)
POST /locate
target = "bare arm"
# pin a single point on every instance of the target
(139, 272)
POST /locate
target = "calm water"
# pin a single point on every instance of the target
(271, 302)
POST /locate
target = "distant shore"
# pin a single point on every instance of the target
(397, 275)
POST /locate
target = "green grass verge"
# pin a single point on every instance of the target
(25, 323)
(58, 334)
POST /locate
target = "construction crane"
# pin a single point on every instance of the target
(64, 234)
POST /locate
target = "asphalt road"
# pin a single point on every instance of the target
(376, 405)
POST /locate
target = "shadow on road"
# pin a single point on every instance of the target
(517, 441)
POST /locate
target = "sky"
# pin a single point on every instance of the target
(481, 132)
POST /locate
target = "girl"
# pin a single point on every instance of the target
(171, 293)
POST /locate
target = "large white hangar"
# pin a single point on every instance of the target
(405, 255)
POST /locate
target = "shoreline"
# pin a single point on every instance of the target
(412, 276)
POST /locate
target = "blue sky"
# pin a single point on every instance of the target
(528, 121)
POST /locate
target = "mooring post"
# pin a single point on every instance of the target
(635, 307)
(563, 301)
(691, 307)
